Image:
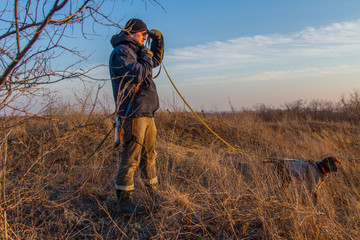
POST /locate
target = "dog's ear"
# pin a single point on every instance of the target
(331, 163)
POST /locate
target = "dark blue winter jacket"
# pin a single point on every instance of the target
(129, 66)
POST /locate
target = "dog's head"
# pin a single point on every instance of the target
(331, 164)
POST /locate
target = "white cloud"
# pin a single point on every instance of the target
(333, 40)
(338, 33)
(304, 73)
(291, 75)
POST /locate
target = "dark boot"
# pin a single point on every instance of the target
(126, 204)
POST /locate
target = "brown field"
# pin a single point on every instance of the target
(51, 189)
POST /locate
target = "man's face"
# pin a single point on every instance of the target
(140, 37)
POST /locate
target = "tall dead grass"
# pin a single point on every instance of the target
(51, 190)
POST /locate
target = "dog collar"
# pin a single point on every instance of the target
(321, 168)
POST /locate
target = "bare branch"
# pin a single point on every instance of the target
(67, 19)
(32, 41)
(17, 25)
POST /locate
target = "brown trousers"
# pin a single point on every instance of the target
(138, 150)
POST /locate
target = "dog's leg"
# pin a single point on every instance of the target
(283, 173)
(314, 198)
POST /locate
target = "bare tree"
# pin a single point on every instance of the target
(31, 38)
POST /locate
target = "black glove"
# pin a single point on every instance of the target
(145, 52)
(154, 34)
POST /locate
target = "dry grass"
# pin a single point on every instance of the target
(207, 190)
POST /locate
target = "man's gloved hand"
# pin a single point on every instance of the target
(145, 52)
(154, 34)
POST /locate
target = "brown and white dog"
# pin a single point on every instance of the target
(311, 174)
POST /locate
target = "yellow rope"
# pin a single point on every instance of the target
(192, 110)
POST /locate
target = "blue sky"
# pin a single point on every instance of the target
(247, 52)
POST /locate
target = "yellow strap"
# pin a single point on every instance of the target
(200, 117)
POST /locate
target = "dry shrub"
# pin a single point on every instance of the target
(51, 189)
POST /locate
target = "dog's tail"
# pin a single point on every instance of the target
(277, 160)
(271, 161)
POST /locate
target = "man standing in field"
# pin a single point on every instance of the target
(136, 99)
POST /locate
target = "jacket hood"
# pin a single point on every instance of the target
(123, 38)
